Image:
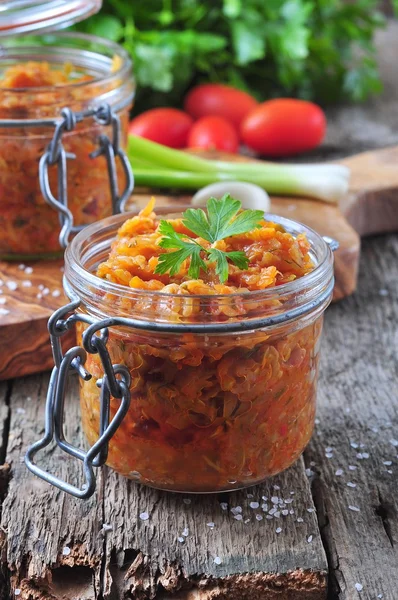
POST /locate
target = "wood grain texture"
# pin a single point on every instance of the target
(131, 558)
(358, 418)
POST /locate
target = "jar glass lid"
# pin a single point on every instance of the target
(33, 16)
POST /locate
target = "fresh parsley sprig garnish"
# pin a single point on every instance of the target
(223, 220)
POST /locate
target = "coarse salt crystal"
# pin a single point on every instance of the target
(358, 587)
(17, 592)
(354, 508)
(389, 471)
(46, 291)
(224, 505)
(352, 467)
(4, 311)
(269, 517)
(273, 511)
(394, 443)
(106, 527)
(21, 267)
(276, 487)
(250, 495)
(185, 532)
(375, 430)
(144, 516)
(39, 296)
(27, 283)
(309, 539)
(41, 287)
(365, 454)
(285, 512)
(316, 421)
(388, 463)
(217, 560)
(264, 507)
(329, 449)
(12, 285)
(66, 551)
(181, 540)
(275, 500)
(310, 510)
(278, 529)
(359, 456)
(247, 521)
(380, 596)
(264, 498)
(259, 517)
(238, 517)
(309, 472)
(21, 411)
(3, 300)
(383, 292)
(291, 511)
(236, 510)
(353, 445)
(351, 484)
(211, 525)
(299, 520)
(186, 500)
(28, 270)
(56, 293)
(339, 472)
(329, 455)
(254, 504)
(289, 500)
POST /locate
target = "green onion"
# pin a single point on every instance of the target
(155, 165)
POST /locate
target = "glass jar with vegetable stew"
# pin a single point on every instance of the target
(215, 352)
(39, 76)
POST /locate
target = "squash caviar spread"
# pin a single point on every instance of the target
(36, 90)
(208, 412)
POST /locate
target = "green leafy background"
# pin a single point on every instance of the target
(314, 49)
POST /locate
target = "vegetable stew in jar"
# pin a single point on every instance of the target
(217, 318)
(38, 78)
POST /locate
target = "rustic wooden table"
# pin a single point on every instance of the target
(335, 529)
(328, 527)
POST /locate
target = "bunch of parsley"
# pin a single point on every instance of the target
(314, 49)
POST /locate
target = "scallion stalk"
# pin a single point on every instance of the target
(159, 166)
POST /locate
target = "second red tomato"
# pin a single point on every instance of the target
(213, 133)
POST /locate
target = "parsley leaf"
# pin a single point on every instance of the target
(223, 220)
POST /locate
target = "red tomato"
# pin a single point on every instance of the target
(219, 100)
(283, 127)
(167, 126)
(213, 133)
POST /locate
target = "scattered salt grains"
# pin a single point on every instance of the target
(106, 527)
(310, 510)
(28, 270)
(275, 500)
(317, 421)
(285, 512)
(181, 540)
(359, 587)
(3, 300)
(387, 463)
(359, 456)
(41, 287)
(278, 530)
(185, 531)
(329, 455)
(247, 521)
(389, 471)
(309, 539)
(328, 449)
(354, 508)
(365, 455)
(269, 517)
(339, 472)
(27, 283)
(351, 484)
(211, 525)
(223, 505)
(380, 596)
(66, 551)
(259, 517)
(264, 498)
(264, 507)
(291, 511)
(272, 511)
(4, 311)
(12, 285)
(277, 514)
(217, 560)
(254, 504)
(300, 520)
(17, 592)
(289, 500)
(188, 501)
(354, 445)
(309, 472)
(352, 467)
(56, 293)
(46, 291)
(144, 516)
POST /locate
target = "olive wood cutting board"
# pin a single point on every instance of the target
(370, 207)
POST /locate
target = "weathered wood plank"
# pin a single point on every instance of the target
(145, 559)
(4, 473)
(358, 414)
(46, 532)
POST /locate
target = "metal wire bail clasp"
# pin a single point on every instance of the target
(115, 382)
(55, 154)
(112, 151)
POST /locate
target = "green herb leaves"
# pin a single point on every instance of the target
(222, 220)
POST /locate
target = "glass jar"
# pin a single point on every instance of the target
(223, 388)
(99, 72)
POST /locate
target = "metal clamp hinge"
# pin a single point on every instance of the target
(56, 155)
(115, 382)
